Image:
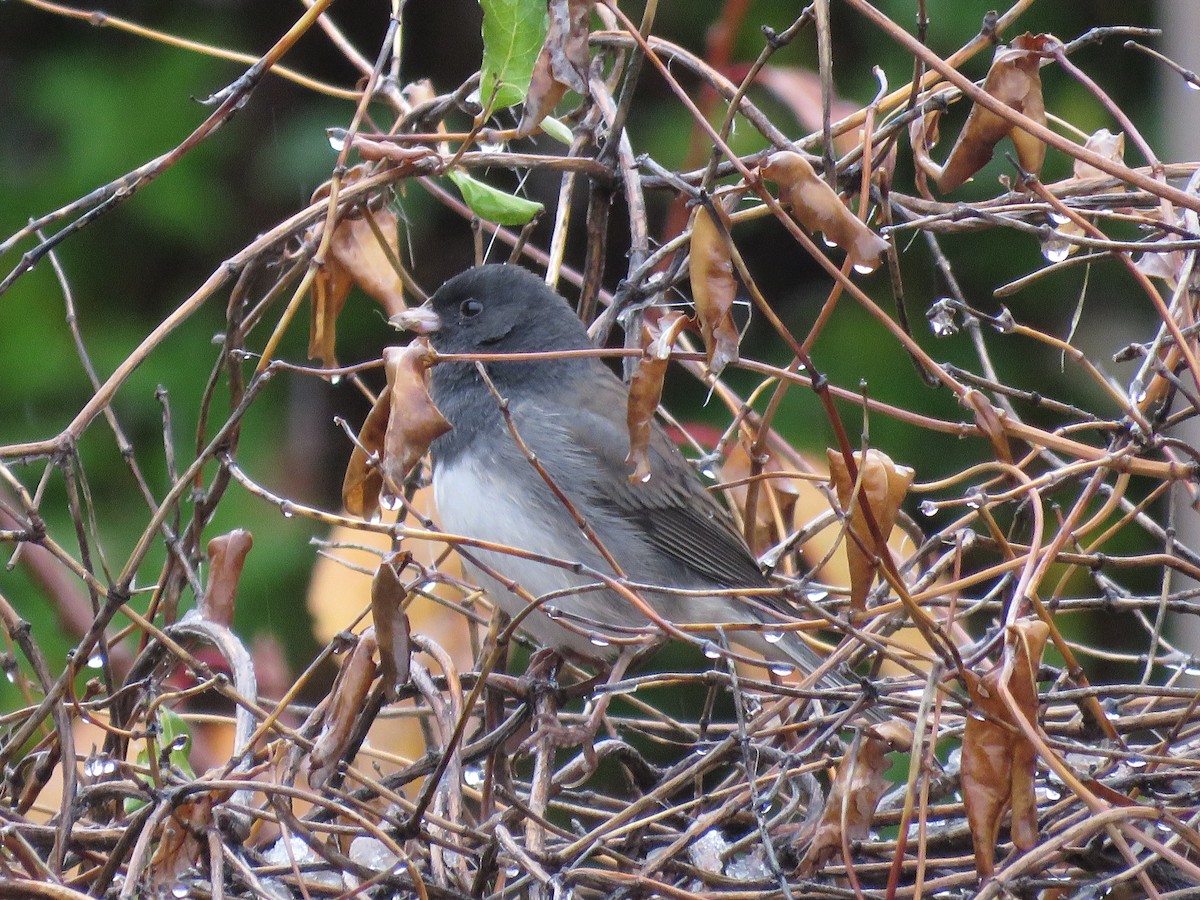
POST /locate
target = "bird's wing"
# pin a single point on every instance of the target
(672, 512)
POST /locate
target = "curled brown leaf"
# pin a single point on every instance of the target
(347, 699)
(882, 486)
(388, 596)
(713, 285)
(226, 556)
(363, 481)
(1013, 79)
(998, 760)
(561, 65)
(818, 208)
(645, 391)
(856, 791)
(414, 422)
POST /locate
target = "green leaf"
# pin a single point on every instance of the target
(492, 203)
(556, 129)
(172, 728)
(513, 33)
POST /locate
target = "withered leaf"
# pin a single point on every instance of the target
(1013, 79)
(391, 624)
(1102, 143)
(714, 286)
(226, 556)
(774, 510)
(855, 793)
(882, 485)
(346, 700)
(363, 482)
(413, 422)
(818, 208)
(356, 257)
(181, 845)
(645, 391)
(561, 65)
(998, 760)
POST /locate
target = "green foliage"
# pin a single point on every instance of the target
(493, 204)
(513, 31)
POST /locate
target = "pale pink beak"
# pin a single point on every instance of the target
(420, 320)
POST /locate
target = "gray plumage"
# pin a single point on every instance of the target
(571, 413)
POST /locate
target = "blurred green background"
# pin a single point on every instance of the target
(80, 106)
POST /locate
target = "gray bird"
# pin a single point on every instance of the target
(668, 532)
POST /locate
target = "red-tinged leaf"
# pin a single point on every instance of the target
(226, 556)
(1013, 79)
(818, 208)
(413, 422)
(800, 91)
(855, 794)
(388, 596)
(882, 486)
(346, 700)
(363, 481)
(998, 761)
(645, 391)
(562, 64)
(714, 286)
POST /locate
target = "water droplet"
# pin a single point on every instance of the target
(782, 669)
(1137, 391)
(180, 890)
(599, 641)
(110, 766)
(816, 596)
(941, 318)
(863, 268)
(473, 775)
(700, 751)
(94, 767)
(286, 509)
(512, 870)
(551, 611)
(11, 675)
(827, 242)
(96, 661)
(927, 508)
(1055, 250)
(711, 650)
(389, 502)
(1191, 85)
(337, 139)
(1058, 218)
(335, 380)
(764, 807)
(1052, 794)
(1136, 763)
(645, 478)
(772, 637)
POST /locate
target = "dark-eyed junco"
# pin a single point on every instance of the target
(668, 532)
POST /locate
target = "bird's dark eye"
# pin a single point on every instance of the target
(471, 307)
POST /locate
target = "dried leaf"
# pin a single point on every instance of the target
(356, 248)
(562, 64)
(391, 624)
(856, 792)
(713, 286)
(645, 391)
(1102, 143)
(774, 511)
(356, 256)
(818, 208)
(363, 482)
(989, 420)
(882, 485)
(998, 761)
(413, 422)
(346, 700)
(1013, 79)
(182, 844)
(226, 556)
